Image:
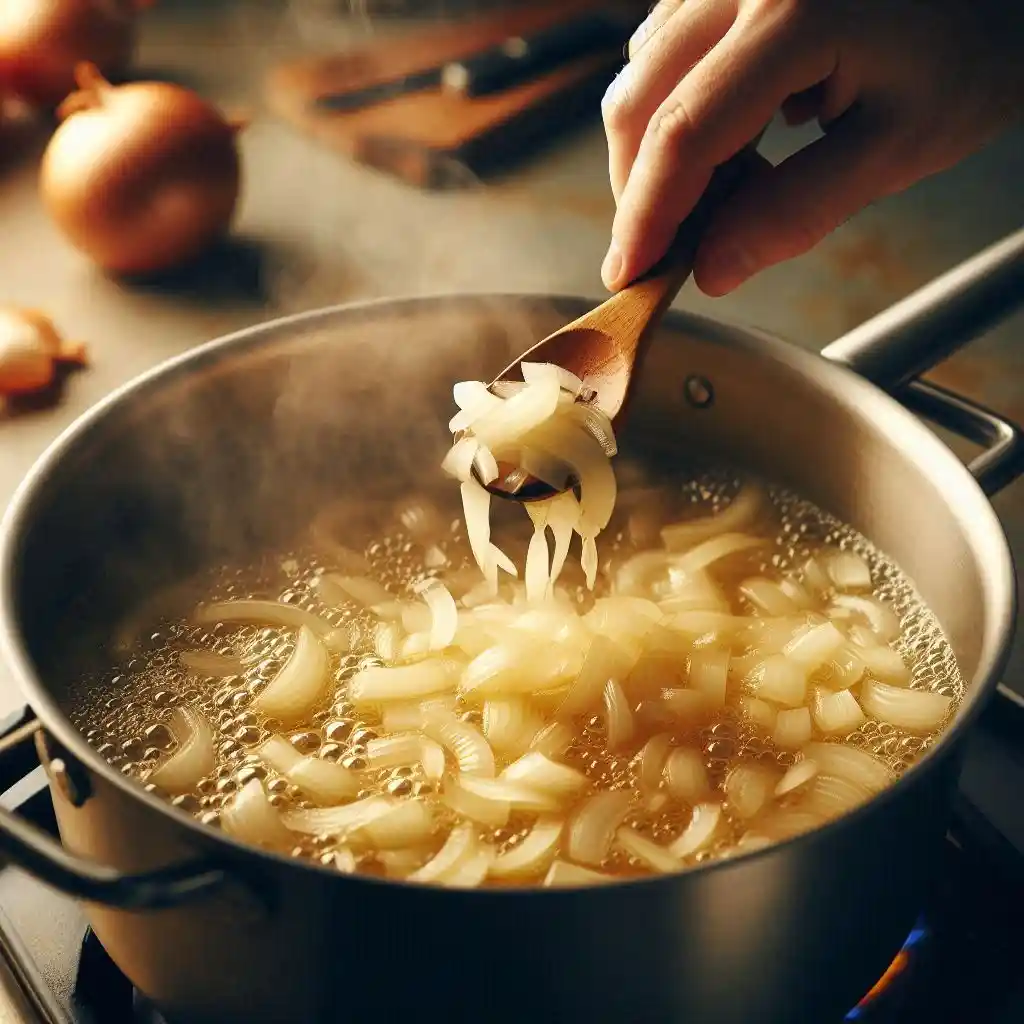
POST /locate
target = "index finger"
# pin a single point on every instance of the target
(714, 112)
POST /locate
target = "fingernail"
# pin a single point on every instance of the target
(727, 269)
(612, 266)
(639, 37)
(618, 85)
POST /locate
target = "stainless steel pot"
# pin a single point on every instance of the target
(238, 443)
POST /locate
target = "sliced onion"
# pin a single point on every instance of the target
(387, 641)
(443, 613)
(517, 416)
(779, 679)
(652, 761)
(815, 578)
(533, 854)
(588, 559)
(836, 713)
(694, 592)
(465, 741)
(337, 590)
(913, 710)
(401, 717)
(848, 570)
(263, 613)
(380, 685)
(211, 664)
(484, 809)
(815, 647)
(796, 776)
(476, 510)
(343, 860)
(850, 763)
(553, 740)
(538, 772)
(685, 707)
(405, 749)
(845, 670)
(193, 759)
(458, 463)
(885, 665)
(339, 821)
(879, 615)
(749, 787)
(618, 717)
(831, 795)
(517, 796)
(472, 870)
(537, 574)
(563, 875)
(469, 394)
(792, 729)
(407, 823)
(789, 821)
(768, 596)
(486, 465)
(563, 519)
(592, 828)
(567, 380)
(400, 863)
(740, 513)
(301, 684)
(324, 782)
(461, 842)
(797, 593)
(250, 817)
(518, 667)
(685, 775)
(699, 833)
(595, 423)
(510, 724)
(759, 712)
(279, 754)
(716, 549)
(709, 672)
(649, 853)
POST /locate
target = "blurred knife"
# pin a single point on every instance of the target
(510, 63)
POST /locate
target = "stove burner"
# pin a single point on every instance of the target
(902, 967)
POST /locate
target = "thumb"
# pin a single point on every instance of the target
(783, 211)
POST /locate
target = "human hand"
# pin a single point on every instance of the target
(902, 88)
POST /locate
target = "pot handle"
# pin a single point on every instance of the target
(893, 348)
(43, 856)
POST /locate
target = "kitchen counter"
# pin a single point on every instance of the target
(314, 229)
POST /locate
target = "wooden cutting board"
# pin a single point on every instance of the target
(433, 138)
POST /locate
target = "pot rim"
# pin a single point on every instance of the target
(839, 382)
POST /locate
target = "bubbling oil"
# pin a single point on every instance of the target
(124, 710)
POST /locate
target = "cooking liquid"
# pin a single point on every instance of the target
(124, 712)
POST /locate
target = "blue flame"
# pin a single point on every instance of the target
(917, 935)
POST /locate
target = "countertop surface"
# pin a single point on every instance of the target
(314, 229)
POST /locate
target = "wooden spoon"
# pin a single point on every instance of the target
(606, 346)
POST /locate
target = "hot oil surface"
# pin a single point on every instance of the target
(123, 711)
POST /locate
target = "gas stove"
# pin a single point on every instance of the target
(961, 964)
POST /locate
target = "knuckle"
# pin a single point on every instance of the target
(673, 127)
(618, 108)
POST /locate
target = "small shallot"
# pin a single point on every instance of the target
(31, 352)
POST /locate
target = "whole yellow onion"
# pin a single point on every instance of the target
(140, 177)
(42, 41)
